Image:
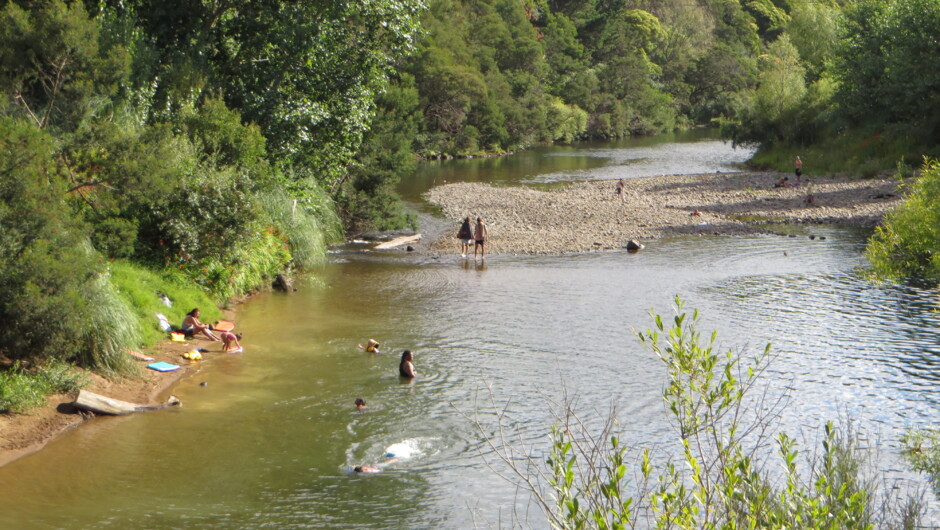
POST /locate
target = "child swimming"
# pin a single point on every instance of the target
(372, 346)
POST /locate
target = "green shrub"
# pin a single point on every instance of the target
(54, 298)
(922, 450)
(724, 478)
(252, 263)
(22, 390)
(907, 244)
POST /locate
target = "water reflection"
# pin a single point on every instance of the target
(685, 152)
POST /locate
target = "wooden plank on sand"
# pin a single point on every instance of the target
(398, 241)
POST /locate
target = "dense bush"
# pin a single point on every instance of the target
(907, 245)
(49, 274)
(129, 131)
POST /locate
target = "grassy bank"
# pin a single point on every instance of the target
(22, 389)
(142, 288)
(858, 153)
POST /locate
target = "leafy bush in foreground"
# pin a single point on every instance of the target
(723, 478)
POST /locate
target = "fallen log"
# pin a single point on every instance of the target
(398, 241)
(104, 405)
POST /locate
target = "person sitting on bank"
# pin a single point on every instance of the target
(192, 325)
(783, 182)
(372, 346)
(406, 368)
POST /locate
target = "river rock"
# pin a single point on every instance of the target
(283, 283)
(634, 245)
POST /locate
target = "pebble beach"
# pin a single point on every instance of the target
(587, 216)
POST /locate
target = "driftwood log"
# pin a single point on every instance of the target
(104, 405)
(399, 241)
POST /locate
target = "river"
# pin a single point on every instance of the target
(269, 439)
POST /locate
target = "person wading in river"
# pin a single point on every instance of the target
(406, 368)
(479, 238)
(465, 235)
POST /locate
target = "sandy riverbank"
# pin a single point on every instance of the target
(588, 216)
(24, 434)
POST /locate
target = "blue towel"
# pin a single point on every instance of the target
(163, 367)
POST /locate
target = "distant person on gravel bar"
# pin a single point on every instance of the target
(465, 235)
(479, 238)
(620, 185)
(798, 170)
(192, 325)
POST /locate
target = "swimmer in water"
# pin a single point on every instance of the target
(360, 404)
(372, 346)
(374, 468)
(406, 368)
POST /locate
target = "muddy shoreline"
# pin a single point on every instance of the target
(588, 216)
(25, 434)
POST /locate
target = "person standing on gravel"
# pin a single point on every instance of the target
(798, 170)
(479, 238)
(620, 185)
(465, 235)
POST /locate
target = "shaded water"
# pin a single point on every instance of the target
(268, 442)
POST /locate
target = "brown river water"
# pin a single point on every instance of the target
(269, 441)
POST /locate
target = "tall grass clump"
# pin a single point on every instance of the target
(142, 290)
(308, 232)
(728, 468)
(252, 263)
(907, 245)
(22, 389)
(110, 330)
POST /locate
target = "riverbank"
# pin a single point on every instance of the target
(587, 216)
(24, 434)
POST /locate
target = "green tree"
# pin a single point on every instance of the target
(814, 31)
(888, 67)
(52, 284)
(305, 72)
(52, 69)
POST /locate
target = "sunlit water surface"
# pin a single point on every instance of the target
(269, 441)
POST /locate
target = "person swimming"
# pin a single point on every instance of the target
(372, 346)
(360, 404)
(373, 468)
